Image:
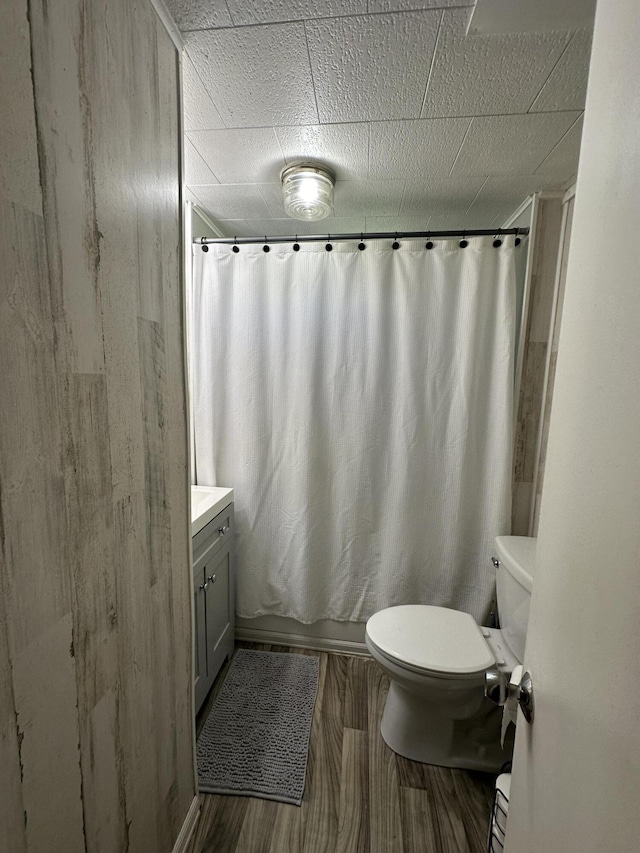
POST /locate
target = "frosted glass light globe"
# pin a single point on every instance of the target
(308, 191)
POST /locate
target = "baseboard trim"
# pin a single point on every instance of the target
(301, 641)
(189, 825)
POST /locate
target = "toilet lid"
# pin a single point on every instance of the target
(431, 638)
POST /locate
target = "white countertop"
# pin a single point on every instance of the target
(206, 503)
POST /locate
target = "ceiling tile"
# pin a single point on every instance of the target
(398, 223)
(267, 11)
(256, 76)
(415, 148)
(286, 227)
(523, 16)
(199, 110)
(371, 67)
(501, 196)
(368, 198)
(513, 188)
(481, 219)
(240, 156)
(490, 74)
(232, 201)
(424, 198)
(196, 15)
(342, 147)
(272, 194)
(196, 170)
(408, 5)
(456, 21)
(483, 216)
(234, 228)
(374, 68)
(562, 161)
(566, 88)
(502, 145)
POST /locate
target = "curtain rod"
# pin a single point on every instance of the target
(376, 235)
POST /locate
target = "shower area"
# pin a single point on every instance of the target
(361, 397)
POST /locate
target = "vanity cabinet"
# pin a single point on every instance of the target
(214, 600)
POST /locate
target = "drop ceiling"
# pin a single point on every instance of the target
(424, 125)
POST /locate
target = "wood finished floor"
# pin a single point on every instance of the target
(360, 797)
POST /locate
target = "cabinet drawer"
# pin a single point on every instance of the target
(216, 534)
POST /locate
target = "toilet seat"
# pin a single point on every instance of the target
(433, 640)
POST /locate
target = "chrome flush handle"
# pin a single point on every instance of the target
(224, 529)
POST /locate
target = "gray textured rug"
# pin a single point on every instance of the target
(255, 740)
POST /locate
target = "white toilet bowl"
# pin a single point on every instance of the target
(436, 711)
(436, 659)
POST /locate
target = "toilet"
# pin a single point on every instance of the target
(436, 659)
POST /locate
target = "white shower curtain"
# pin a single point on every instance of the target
(360, 405)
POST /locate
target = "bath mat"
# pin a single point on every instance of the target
(255, 740)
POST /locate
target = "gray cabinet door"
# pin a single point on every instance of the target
(214, 601)
(200, 652)
(219, 611)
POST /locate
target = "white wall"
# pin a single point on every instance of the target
(200, 228)
(576, 777)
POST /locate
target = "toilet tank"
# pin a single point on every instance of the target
(516, 556)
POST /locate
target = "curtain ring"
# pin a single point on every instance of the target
(235, 249)
(361, 244)
(266, 247)
(395, 244)
(329, 247)
(497, 241)
(464, 243)
(205, 248)
(429, 243)
(296, 245)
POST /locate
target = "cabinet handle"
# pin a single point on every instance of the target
(211, 579)
(224, 529)
(204, 585)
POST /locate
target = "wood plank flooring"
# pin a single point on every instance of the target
(360, 797)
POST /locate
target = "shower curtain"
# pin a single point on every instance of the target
(360, 405)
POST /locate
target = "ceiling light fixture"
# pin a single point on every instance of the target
(308, 191)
